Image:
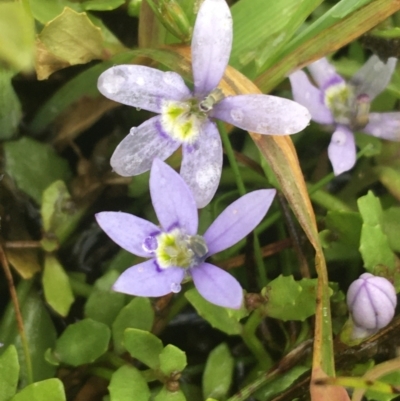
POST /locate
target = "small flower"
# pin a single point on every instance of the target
(372, 301)
(185, 117)
(346, 105)
(175, 250)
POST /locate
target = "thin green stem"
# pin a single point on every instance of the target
(231, 157)
(253, 343)
(79, 287)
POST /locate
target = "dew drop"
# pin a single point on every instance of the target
(112, 83)
(138, 109)
(237, 115)
(339, 138)
(150, 244)
(175, 287)
(140, 81)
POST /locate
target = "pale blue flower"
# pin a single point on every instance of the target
(345, 105)
(187, 117)
(175, 250)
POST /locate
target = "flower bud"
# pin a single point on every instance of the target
(372, 301)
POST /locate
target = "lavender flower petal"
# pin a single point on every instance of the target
(128, 231)
(202, 164)
(324, 73)
(238, 220)
(384, 125)
(263, 114)
(136, 152)
(342, 150)
(373, 77)
(172, 200)
(139, 86)
(147, 280)
(211, 45)
(305, 93)
(217, 286)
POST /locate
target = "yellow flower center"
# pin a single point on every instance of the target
(176, 249)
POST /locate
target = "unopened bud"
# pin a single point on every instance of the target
(372, 301)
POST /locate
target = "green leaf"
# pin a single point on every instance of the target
(218, 373)
(51, 389)
(9, 373)
(289, 299)
(101, 5)
(144, 346)
(374, 244)
(390, 178)
(128, 384)
(172, 360)
(138, 314)
(217, 316)
(34, 166)
(165, 395)
(345, 227)
(60, 215)
(280, 384)
(60, 43)
(10, 107)
(39, 330)
(369, 142)
(103, 303)
(391, 227)
(56, 286)
(17, 36)
(82, 342)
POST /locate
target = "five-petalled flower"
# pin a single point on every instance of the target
(346, 105)
(175, 250)
(372, 302)
(186, 117)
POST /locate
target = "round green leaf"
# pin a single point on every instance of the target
(9, 373)
(144, 346)
(138, 314)
(51, 389)
(217, 377)
(172, 359)
(128, 384)
(165, 395)
(82, 342)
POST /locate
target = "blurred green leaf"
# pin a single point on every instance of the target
(165, 395)
(10, 107)
(101, 5)
(103, 303)
(60, 43)
(250, 17)
(217, 316)
(288, 299)
(218, 373)
(374, 244)
(172, 359)
(138, 314)
(9, 373)
(60, 214)
(34, 166)
(391, 227)
(56, 286)
(39, 331)
(373, 144)
(390, 178)
(393, 379)
(280, 384)
(51, 389)
(82, 342)
(128, 384)
(17, 36)
(144, 346)
(345, 227)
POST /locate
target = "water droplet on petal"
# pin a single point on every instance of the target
(175, 287)
(339, 138)
(112, 83)
(150, 244)
(138, 109)
(237, 115)
(140, 81)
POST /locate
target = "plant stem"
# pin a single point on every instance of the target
(18, 315)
